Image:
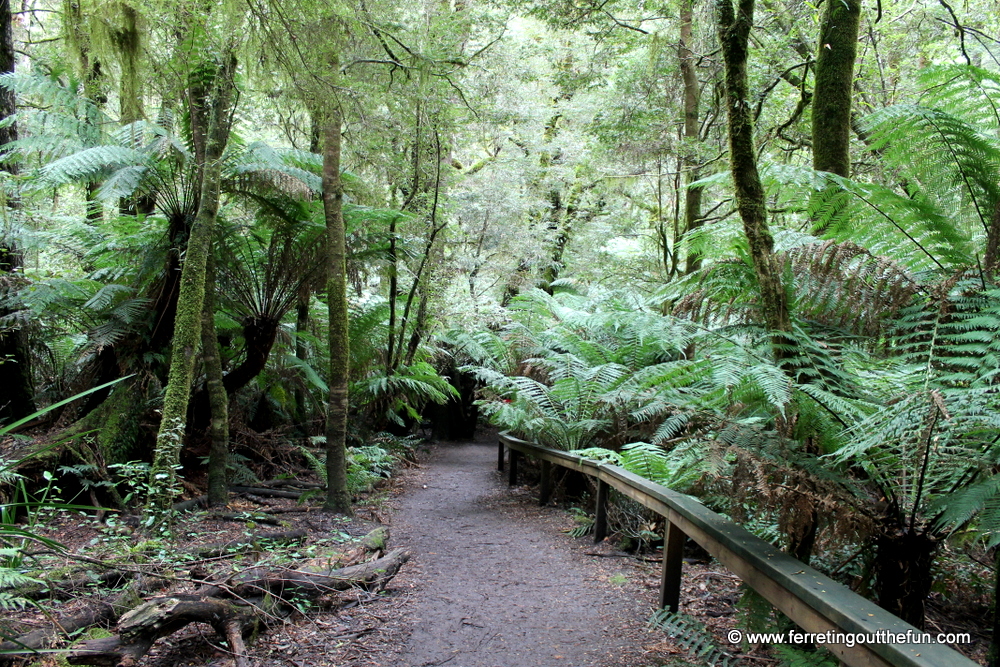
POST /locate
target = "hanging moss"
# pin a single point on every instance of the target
(127, 41)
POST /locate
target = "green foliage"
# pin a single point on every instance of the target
(15, 540)
(693, 637)
(400, 395)
(366, 464)
(793, 657)
(682, 468)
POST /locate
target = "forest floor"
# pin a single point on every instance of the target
(494, 580)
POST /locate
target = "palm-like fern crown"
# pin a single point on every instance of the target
(938, 185)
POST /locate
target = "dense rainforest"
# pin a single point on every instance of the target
(746, 249)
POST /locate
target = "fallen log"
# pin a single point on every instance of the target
(98, 611)
(266, 493)
(195, 503)
(315, 579)
(247, 516)
(160, 617)
(281, 483)
(233, 611)
(299, 509)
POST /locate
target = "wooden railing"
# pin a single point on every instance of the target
(815, 602)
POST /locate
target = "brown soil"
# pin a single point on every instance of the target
(495, 582)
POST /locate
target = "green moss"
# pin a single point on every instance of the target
(116, 424)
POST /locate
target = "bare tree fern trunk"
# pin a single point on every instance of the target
(301, 349)
(903, 578)
(991, 262)
(994, 655)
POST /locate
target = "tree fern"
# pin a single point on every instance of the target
(969, 92)
(92, 163)
(950, 160)
(912, 228)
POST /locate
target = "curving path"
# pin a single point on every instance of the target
(496, 584)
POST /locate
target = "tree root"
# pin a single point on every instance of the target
(234, 608)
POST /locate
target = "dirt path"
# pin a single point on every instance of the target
(494, 582)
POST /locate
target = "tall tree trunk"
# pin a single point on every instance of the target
(831, 116)
(692, 99)
(991, 260)
(390, 351)
(301, 349)
(15, 369)
(191, 297)
(417, 287)
(127, 40)
(218, 398)
(337, 497)
(734, 31)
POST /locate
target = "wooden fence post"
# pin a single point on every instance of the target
(601, 511)
(545, 484)
(512, 467)
(673, 559)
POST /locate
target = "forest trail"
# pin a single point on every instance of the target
(495, 583)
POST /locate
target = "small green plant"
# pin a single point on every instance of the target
(693, 637)
(140, 487)
(584, 523)
(794, 657)
(618, 579)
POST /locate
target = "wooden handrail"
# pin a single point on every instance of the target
(815, 602)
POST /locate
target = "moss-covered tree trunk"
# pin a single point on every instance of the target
(191, 297)
(15, 387)
(218, 398)
(337, 497)
(831, 117)
(692, 101)
(126, 39)
(563, 224)
(734, 31)
(302, 302)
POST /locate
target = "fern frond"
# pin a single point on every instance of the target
(90, 164)
(953, 161)
(692, 635)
